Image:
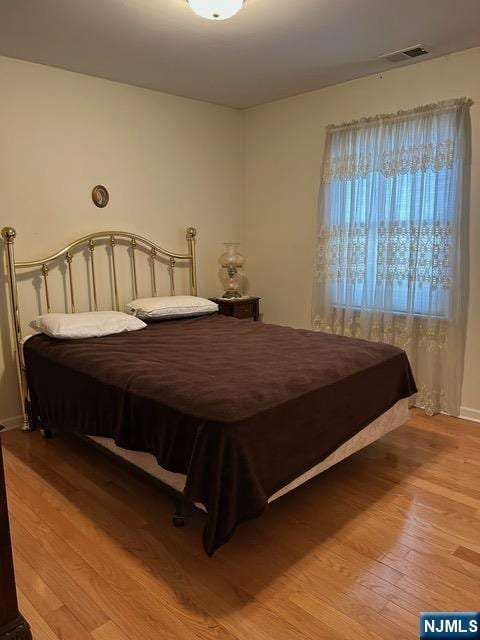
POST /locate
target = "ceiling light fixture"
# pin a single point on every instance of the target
(216, 9)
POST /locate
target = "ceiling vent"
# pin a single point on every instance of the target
(405, 54)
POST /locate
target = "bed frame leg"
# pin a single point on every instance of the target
(27, 416)
(179, 518)
(46, 433)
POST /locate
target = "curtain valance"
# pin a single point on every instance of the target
(394, 144)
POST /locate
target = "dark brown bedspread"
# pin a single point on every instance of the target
(241, 408)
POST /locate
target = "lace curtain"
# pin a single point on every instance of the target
(392, 240)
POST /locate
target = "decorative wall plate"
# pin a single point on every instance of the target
(100, 196)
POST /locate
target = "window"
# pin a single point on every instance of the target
(390, 233)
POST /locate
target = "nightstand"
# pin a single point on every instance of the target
(242, 308)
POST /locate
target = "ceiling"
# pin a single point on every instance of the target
(272, 48)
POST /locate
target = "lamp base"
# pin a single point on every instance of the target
(232, 294)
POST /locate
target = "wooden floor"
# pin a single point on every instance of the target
(356, 553)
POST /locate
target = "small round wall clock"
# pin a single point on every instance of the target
(100, 196)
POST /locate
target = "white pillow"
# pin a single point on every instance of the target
(170, 307)
(92, 324)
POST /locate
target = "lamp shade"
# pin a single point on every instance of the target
(231, 257)
(216, 9)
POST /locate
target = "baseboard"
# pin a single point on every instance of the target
(11, 423)
(470, 414)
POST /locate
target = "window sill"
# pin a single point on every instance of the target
(395, 313)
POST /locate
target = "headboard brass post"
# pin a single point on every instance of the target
(171, 271)
(9, 234)
(91, 248)
(133, 242)
(154, 277)
(69, 258)
(113, 242)
(45, 279)
(191, 236)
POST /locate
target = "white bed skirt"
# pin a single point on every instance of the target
(388, 421)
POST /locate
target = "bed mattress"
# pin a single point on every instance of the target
(241, 409)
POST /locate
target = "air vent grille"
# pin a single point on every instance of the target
(405, 54)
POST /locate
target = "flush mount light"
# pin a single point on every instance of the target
(216, 9)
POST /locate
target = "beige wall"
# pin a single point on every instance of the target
(283, 153)
(168, 162)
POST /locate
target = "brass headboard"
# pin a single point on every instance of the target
(135, 242)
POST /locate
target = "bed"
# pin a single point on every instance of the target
(228, 413)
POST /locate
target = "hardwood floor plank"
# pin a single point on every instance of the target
(418, 574)
(401, 616)
(109, 631)
(448, 569)
(468, 555)
(435, 596)
(65, 625)
(360, 624)
(38, 624)
(34, 587)
(444, 492)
